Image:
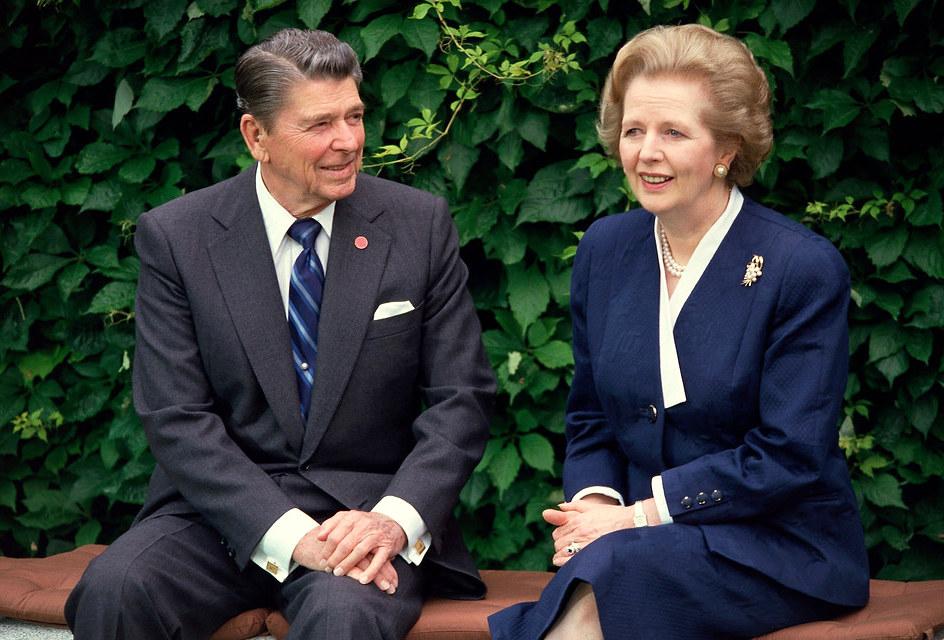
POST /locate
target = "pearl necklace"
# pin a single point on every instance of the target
(671, 264)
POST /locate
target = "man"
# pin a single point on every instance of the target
(315, 393)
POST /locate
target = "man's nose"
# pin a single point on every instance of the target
(346, 135)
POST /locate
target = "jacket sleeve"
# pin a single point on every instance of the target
(593, 458)
(173, 397)
(802, 380)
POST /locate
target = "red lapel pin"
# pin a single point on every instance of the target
(360, 242)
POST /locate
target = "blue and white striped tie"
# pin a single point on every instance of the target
(304, 307)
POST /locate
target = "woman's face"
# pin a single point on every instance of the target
(668, 155)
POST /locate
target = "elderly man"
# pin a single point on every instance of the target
(310, 375)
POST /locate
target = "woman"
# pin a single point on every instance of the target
(708, 495)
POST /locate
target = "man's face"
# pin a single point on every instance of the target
(311, 153)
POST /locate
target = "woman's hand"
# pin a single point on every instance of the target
(582, 522)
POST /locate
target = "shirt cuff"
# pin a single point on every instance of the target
(658, 493)
(418, 537)
(274, 551)
(603, 491)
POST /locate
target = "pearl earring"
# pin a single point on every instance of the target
(720, 170)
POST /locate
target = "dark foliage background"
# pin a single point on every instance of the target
(109, 108)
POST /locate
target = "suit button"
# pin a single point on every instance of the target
(307, 467)
(653, 413)
(701, 498)
(687, 502)
(716, 495)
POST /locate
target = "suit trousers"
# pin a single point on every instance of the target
(663, 583)
(171, 577)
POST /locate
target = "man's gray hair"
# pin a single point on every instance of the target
(266, 71)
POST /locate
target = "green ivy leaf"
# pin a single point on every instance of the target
(165, 94)
(510, 151)
(882, 490)
(310, 12)
(396, 82)
(903, 8)
(7, 494)
(421, 34)
(825, 155)
(839, 109)
(537, 451)
(124, 97)
(893, 366)
(162, 16)
(378, 32)
(555, 354)
(39, 364)
(34, 271)
(75, 193)
(70, 278)
(528, 293)
(776, 52)
(84, 400)
(100, 156)
(923, 412)
(457, 160)
(928, 212)
(790, 12)
(886, 247)
(926, 252)
(504, 467)
(88, 533)
(855, 45)
(136, 170)
(533, 128)
(119, 48)
(554, 195)
(926, 310)
(114, 296)
(39, 196)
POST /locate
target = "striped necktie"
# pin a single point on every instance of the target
(304, 307)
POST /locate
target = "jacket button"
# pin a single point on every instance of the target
(687, 502)
(307, 467)
(701, 498)
(716, 495)
(653, 413)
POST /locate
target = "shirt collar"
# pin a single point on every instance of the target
(277, 219)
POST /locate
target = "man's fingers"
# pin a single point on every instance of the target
(350, 552)
(554, 517)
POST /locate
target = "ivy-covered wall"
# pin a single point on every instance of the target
(109, 108)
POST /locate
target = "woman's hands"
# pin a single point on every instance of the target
(583, 521)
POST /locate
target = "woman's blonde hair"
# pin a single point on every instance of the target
(739, 112)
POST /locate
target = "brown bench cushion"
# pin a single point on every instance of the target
(896, 610)
(36, 589)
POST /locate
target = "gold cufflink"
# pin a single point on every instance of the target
(419, 547)
(272, 568)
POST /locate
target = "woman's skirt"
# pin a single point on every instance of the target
(663, 583)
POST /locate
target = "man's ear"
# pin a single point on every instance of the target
(254, 135)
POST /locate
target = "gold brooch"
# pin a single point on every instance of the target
(755, 269)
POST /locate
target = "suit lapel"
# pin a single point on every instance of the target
(352, 280)
(243, 265)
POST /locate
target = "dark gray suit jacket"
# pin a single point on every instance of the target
(400, 405)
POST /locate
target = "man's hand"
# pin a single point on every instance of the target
(582, 522)
(352, 537)
(311, 553)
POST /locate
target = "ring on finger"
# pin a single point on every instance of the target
(572, 549)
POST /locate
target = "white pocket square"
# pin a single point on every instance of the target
(389, 309)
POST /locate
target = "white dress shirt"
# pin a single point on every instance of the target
(274, 551)
(673, 388)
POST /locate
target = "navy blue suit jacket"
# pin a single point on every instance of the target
(752, 456)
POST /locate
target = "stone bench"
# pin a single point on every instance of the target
(35, 589)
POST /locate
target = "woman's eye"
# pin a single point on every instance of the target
(632, 131)
(674, 133)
